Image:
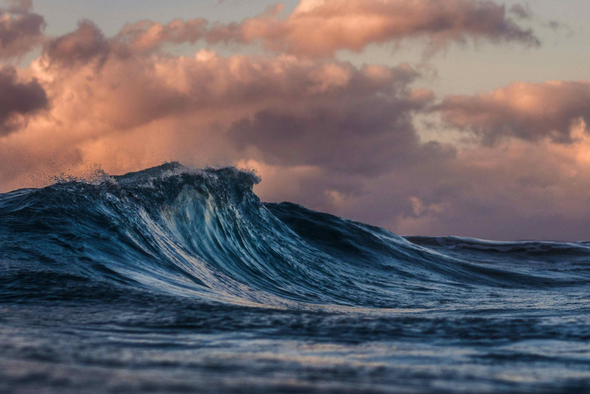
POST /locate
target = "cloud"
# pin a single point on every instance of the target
(514, 190)
(367, 135)
(316, 28)
(527, 111)
(20, 6)
(20, 29)
(80, 47)
(18, 99)
(324, 133)
(319, 28)
(129, 91)
(509, 191)
(522, 12)
(148, 35)
(334, 115)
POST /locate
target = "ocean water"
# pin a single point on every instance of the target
(173, 280)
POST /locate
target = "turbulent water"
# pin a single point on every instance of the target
(174, 280)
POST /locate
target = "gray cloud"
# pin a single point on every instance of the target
(19, 6)
(520, 190)
(522, 12)
(84, 45)
(20, 29)
(18, 99)
(523, 110)
(367, 136)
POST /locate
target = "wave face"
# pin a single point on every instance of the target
(173, 249)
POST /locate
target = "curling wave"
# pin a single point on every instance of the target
(204, 233)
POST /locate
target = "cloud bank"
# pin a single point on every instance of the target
(322, 132)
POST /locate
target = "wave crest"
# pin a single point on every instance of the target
(204, 233)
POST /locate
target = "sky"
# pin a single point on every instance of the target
(425, 117)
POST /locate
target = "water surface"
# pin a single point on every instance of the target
(173, 280)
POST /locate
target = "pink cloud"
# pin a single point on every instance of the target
(148, 35)
(101, 92)
(523, 110)
(318, 28)
(323, 133)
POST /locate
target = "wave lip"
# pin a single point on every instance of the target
(204, 233)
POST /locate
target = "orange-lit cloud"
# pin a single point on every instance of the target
(319, 28)
(229, 108)
(524, 110)
(324, 133)
(148, 35)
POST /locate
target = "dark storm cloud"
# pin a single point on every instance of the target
(18, 98)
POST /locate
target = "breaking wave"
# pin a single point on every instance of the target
(204, 233)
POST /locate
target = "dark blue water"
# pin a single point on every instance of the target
(179, 281)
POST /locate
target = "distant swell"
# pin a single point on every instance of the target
(204, 233)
